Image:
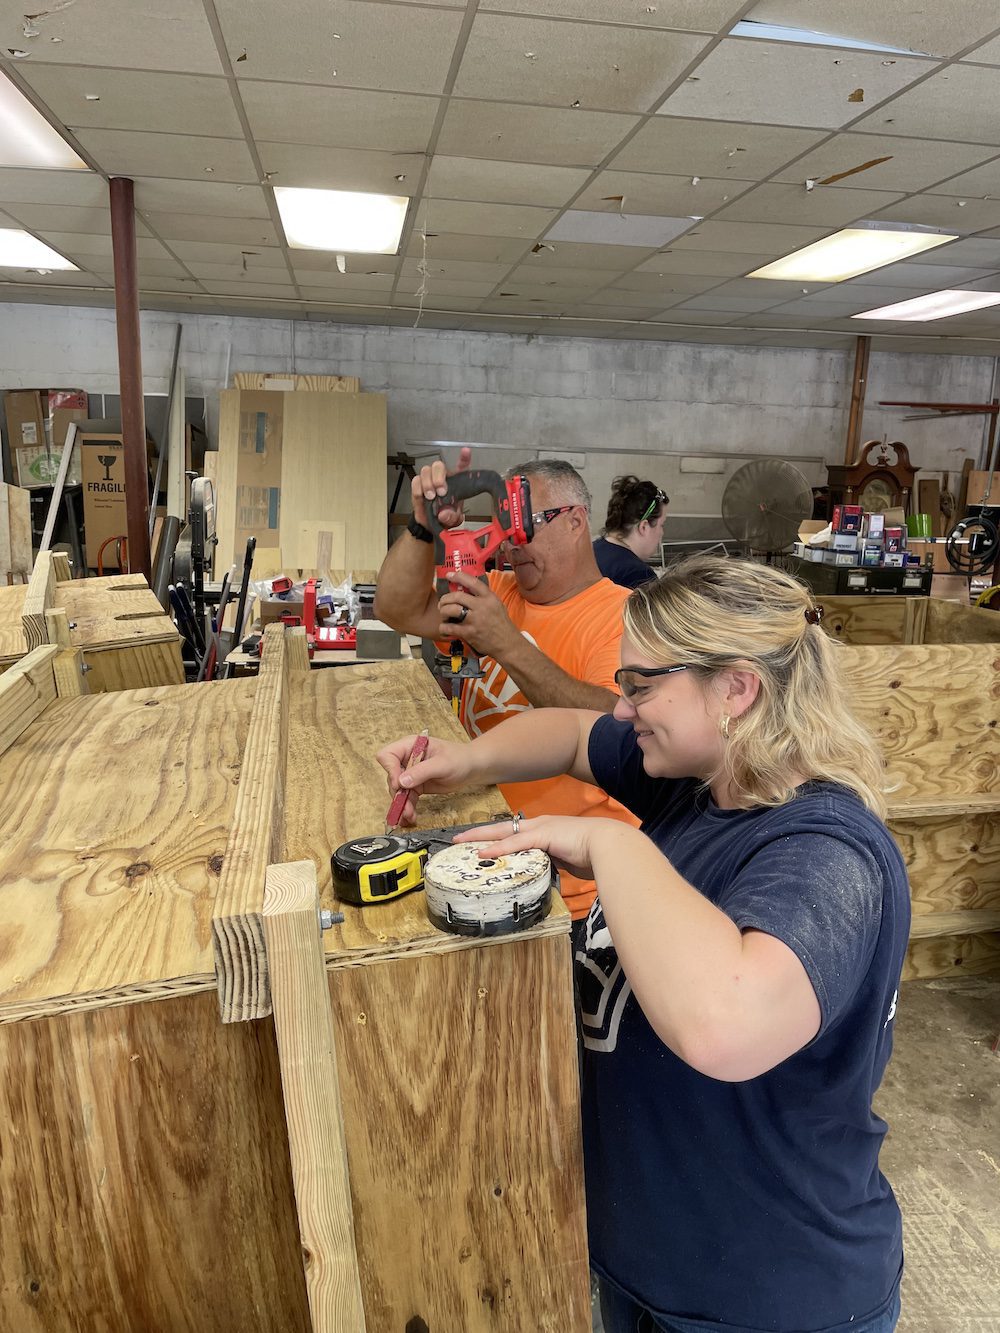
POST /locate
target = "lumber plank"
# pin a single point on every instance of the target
(934, 924)
(474, 1156)
(303, 1024)
(61, 567)
(26, 690)
(946, 806)
(15, 532)
(39, 598)
(952, 956)
(282, 382)
(255, 842)
(116, 810)
(150, 1187)
(914, 619)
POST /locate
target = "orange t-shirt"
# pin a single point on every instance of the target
(583, 636)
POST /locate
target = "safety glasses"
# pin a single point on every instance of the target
(547, 515)
(630, 679)
(658, 499)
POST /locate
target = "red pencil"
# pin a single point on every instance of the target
(399, 800)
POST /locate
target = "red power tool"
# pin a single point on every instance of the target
(468, 551)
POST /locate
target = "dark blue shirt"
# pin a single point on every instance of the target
(756, 1205)
(621, 565)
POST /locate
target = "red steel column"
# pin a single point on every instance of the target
(130, 375)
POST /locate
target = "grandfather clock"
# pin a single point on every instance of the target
(880, 478)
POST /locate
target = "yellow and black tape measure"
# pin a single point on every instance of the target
(372, 870)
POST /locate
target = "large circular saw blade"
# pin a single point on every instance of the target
(764, 503)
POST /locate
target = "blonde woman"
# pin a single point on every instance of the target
(740, 966)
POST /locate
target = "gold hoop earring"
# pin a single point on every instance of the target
(724, 725)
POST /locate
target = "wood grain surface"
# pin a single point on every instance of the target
(953, 862)
(116, 809)
(15, 532)
(864, 620)
(114, 612)
(953, 955)
(272, 379)
(145, 1175)
(303, 1024)
(13, 644)
(39, 598)
(947, 622)
(26, 691)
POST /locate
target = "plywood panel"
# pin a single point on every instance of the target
(317, 544)
(953, 863)
(953, 955)
(141, 666)
(864, 620)
(467, 1182)
(948, 622)
(149, 1188)
(282, 381)
(15, 532)
(114, 612)
(115, 811)
(934, 710)
(248, 471)
(334, 468)
(13, 644)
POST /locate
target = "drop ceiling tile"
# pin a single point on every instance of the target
(339, 117)
(941, 29)
(134, 100)
(678, 316)
(620, 296)
(321, 267)
(913, 164)
(569, 278)
(825, 207)
(738, 305)
(183, 228)
(147, 36)
(551, 63)
(460, 270)
(239, 287)
(522, 305)
(369, 45)
(544, 292)
(88, 245)
(960, 102)
(782, 84)
(54, 217)
(165, 283)
(56, 279)
(747, 237)
(758, 288)
(148, 268)
(352, 295)
(504, 132)
(307, 167)
(478, 249)
(660, 195)
(930, 277)
(579, 254)
(459, 218)
(206, 252)
(987, 54)
(199, 197)
(982, 180)
(821, 307)
(706, 263)
(83, 189)
(436, 301)
(123, 153)
(695, 15)
(643, 280)
(950, 214)
(503, 182)
(410, 284)
(636, 230)
(712, 149)
(234, 272)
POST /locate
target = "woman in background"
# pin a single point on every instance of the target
(632, 532)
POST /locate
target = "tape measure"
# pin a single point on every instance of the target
(375, 869)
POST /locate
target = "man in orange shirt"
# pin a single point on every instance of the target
(548, 634)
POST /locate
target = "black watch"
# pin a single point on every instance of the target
(418, 530)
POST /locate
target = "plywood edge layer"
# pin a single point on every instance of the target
(931, 925)
(552, 925)
(113, 997)
(255, 841)
(943, 807)
(26, 690)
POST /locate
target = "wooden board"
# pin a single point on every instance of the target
(934, 709)
(15, 532)
(947, 622)
(248, 471)
(282, 381)
(977, 489)
(953, 955)
(953, 862)
(472, 1164)
(150, 1186)
(334, 468)
(928, 499)
(865, 620)
(316, 544)
(131, 796)
(13, 644)
(38, 598)
(26, 691)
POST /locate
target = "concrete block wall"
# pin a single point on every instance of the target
(620, 399)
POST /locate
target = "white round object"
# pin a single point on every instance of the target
(471, 895)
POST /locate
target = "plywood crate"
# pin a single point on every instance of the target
(153, 1148)
(924, 675)
(126, 639)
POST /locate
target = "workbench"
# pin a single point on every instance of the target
(161, 1172)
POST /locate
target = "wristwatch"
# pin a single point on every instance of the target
(418, 530)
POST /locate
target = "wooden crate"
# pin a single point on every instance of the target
(162, 1174)
(126, 639)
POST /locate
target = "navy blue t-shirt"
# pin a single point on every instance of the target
(621, 565)
(756, 1205)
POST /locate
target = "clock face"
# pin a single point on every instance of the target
(876, 495)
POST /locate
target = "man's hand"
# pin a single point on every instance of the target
(485, 625)
(430, 483)
(567, 839)
(445, 767)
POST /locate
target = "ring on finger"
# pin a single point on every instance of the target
(462, 614)
(516, 821)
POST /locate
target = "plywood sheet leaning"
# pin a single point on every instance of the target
(15, 533)
(248, 471)
(280, 381)
(948, 622)
(334, 469)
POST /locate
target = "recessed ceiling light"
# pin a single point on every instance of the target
(26, 137)
(778, 32)
(618, 228)
(341, 220)
(19, 249)
(854, 250)
(935, 305)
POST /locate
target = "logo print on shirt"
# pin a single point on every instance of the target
(604, 987)
(493, 695)
(892, 1010)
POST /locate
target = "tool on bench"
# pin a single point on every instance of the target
(194, 553)
(468, 550)
(241, 603)
(387, 866)
(417, 752)
(326, 638)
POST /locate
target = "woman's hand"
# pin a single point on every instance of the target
(445, 767)
(569, 840)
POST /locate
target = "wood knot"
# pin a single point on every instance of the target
(215, 863)
(151, 703)
(488, 1297)
(137, 870)
(34, 1286)
(894, 684)
(416, 1325)
(464, 1254)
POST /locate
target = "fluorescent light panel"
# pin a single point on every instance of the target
(343, 221)
(935, 305)
(778, 32)
(19, 249)
(847, 253)
(26, 137)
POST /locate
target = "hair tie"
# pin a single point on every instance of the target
(813, 614)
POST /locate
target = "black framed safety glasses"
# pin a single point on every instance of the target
(628, 685)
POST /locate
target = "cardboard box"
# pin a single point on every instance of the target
(873, 526)
(40, 467)
(893, 559)
(871, 555)
(840, 557)
(894, 540)
(104, 515)
(846, 518)
(25, 423)
(845, 541)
